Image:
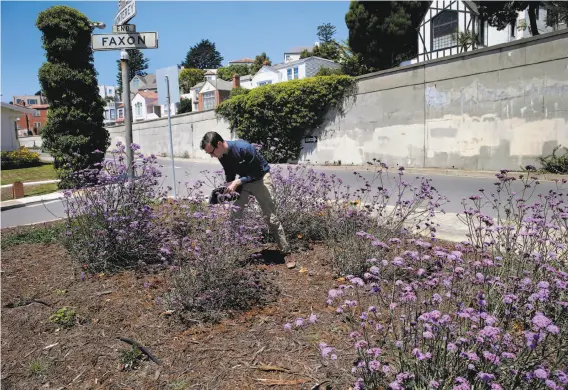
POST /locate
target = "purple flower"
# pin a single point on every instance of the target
(313, 318)
(485, 377)
(490, 332)
(325, 349)
(541, 321)
(299, 322)
(562, 376)
(420, 355)
(288, 326)
(491, 357)
(374, 365)
(398, 261)
(434, 384)
(496, 386)
(540, 373)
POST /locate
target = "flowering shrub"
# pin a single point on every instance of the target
(491, 313)
(110, 221)
(209, 254)
(21, 158)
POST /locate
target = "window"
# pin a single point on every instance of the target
(138, 107)
(32, 101)
(37, 125)
(112, 114)
(289, 73)
(18, 127)
(36, 113)
(444, 25)
(120, 113)
(136, 83)
(264, 82)
(208, 100)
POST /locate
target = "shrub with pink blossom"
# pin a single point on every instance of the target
(489, 313)
(111, 223)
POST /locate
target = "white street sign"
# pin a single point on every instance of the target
(143, 40)
(124, 28)
(126, 11)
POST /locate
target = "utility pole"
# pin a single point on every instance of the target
(171, 140)
(127, 113)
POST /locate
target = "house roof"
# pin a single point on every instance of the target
(221, 85)
(472, 6)
(40, 106)
(299, 49)
(198, 85)
(149, 80)
(246, 78)
(149, 96)
(300, 61)
(242, 61)
(15, 107)
(210, 72)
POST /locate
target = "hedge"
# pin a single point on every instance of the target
(278, 116)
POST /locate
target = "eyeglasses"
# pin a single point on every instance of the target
(212, 151)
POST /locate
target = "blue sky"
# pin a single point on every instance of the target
(239, 29)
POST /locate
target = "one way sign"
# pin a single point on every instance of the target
(143, 40)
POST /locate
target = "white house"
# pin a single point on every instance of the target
(437, 32)
(10, 114)
(294, 53)
(292, 70)
(145, 106)
(246, 81)
(110, 95)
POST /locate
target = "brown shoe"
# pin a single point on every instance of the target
(290, 264)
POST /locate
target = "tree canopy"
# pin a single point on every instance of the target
(74, 130)
(189, 77)
(203, 55)
(383, 34)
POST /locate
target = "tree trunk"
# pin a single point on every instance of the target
(532, 17)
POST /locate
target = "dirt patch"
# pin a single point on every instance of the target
(249, 351)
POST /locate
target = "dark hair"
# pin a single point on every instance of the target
(213, 138)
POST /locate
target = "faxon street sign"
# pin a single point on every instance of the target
(143, 40)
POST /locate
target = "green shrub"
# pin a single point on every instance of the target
(278, 116)
(554, 163)
(239, 91)
(22, 158)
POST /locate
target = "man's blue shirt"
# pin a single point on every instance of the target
(244, 160)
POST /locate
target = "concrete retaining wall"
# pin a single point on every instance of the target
(187, 131)
(496, 108)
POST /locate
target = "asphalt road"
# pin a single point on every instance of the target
(455, 188)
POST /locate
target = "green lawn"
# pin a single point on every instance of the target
(42, 172)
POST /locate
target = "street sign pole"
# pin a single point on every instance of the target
(127, 114)
(169, 108)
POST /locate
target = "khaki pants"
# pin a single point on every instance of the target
(263, 191)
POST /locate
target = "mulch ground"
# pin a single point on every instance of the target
(249, 351)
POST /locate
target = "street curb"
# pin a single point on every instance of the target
(393, 170)
(32, 200)
(32, 183)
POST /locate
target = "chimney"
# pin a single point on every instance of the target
(236, 81)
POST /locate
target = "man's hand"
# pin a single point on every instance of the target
(233, 186)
